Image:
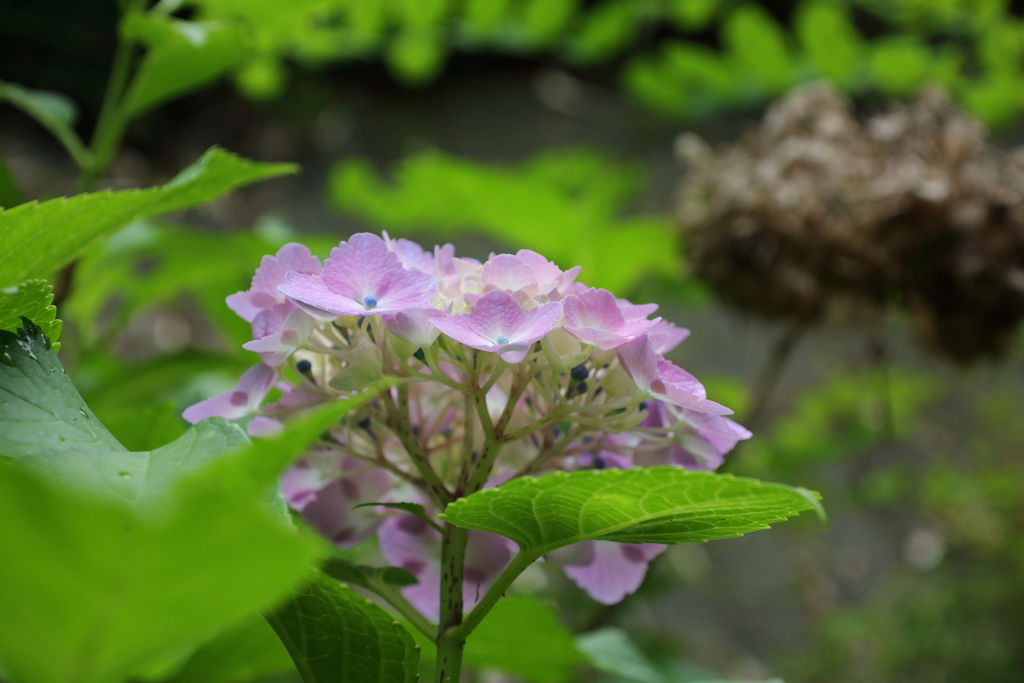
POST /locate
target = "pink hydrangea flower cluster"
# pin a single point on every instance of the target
(501, 369)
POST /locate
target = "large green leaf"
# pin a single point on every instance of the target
(45, 423)
(610, 650)
(246, 651)
(650, 505)
(182, 56)
(32, 300)
(334, 635)
(37, 239)
(119, 572)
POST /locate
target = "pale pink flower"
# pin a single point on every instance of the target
(606, 570)
(241, 402)
(663, 380)
(665, 336)
(594, 317)
(272, 272)
(279, 332)
(362, 277)
(413, 325)
(496, 323)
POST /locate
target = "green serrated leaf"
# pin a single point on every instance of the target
(37, 239)
(365, 577)
(31, 300)
(651, 505)
(335, 635)
(411, 508)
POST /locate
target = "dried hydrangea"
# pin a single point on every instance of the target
(817, 209)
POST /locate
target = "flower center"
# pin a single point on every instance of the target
(370, 301)
(501, 340)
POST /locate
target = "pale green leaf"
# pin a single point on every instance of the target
(900, 65)
(30, 300)
(37, 239)
(610, 650)
(830, 39)
(365, 577)
(334, 635)
(650, 505)
(758, 44)
(246, 651)
(181, 57)
(544, 20)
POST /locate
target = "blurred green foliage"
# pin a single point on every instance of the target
(566, 205)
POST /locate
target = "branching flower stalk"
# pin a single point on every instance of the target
(496, 370)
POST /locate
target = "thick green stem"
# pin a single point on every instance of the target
(451, 638)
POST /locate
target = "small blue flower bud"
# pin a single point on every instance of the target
(643, 405)
(420, 355)
(580, 373)
(370, 302)
(304, 366)
(501, 340)
(581, 387)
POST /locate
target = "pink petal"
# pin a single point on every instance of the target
(507, 273)
(330, 512)
(410, 254)
(631, 311)
(293, 257)
(312, 291)
(496, 323)
(263, 427)
(300, 483)
(250, 391)
(356, 267)
(413, 325)
(617, 570)
(593, 317)
(640, 362)
(278, 346)
(665, 336)
(241, 304)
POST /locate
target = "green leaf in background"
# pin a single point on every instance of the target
(10, 195)
(146, 427)
(52, 110)
(521, 637)
(900, 65)
(416, 56)
(182, 56)
(649, 505)
(412, 508)
(571, 221)
(367, 577)
(830, 40)
(243, 652)
(30, 300)
(37, 239)
(335, 635)
(611, 651)
(758, 44)
(544, 20)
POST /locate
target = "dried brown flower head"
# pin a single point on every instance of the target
(815, 209)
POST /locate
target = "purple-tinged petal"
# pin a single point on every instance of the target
(263, 427)
(250, 391)
(617, 569)
(410, 254)
(396, 290)
(278, 345)
(507, 273)
(300, 483)
(631, 311)
(272, 272)
(356, 267)
(413, 325)
(496, 323)
(665, 336)
(594, 317)
(330, 512)
(663, 380)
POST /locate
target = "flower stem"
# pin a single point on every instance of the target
(519, 564)
(451, 639)
(403, 607)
